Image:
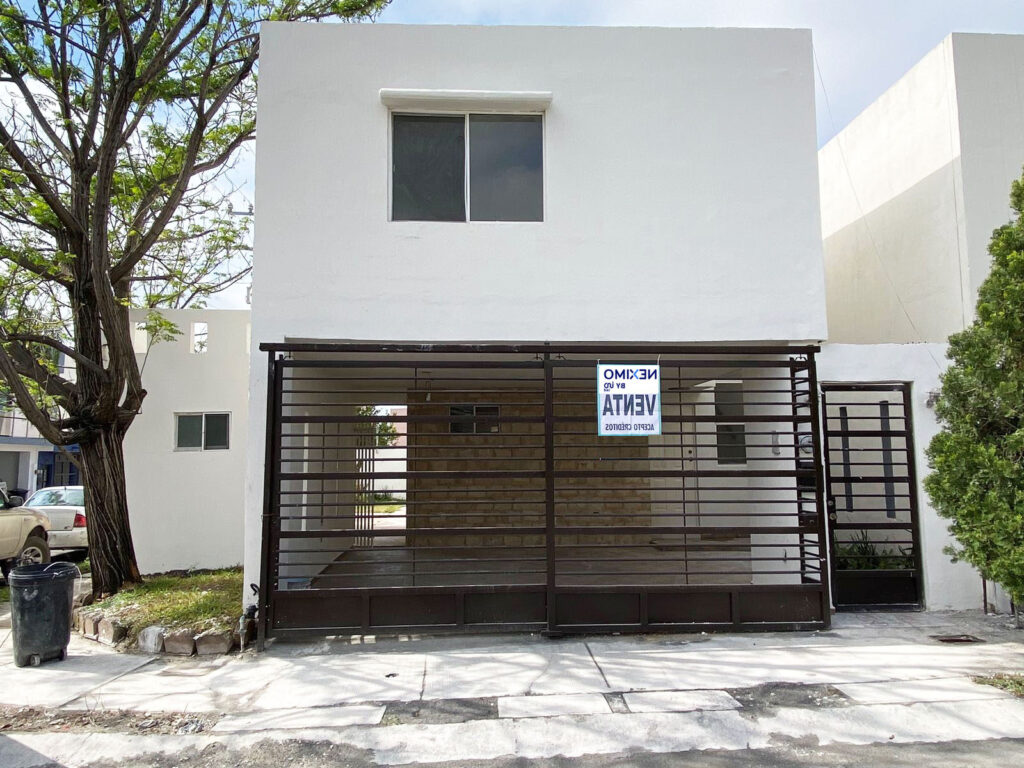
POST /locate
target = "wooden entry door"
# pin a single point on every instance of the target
(871, 494)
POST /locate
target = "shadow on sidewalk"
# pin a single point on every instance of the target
(13, 754)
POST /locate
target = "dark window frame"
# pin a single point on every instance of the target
(203, 445)
(467, 164)
(490, 425)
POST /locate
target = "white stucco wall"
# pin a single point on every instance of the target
(947, 585)
(186, 506)
(892, 213)
(990, 95)
(680, 194)
(20, 460)
(680, 188)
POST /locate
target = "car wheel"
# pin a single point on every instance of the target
(35, 551)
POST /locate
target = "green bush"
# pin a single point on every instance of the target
(862, 554)
(978, 457)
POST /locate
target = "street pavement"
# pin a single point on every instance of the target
(872, 682)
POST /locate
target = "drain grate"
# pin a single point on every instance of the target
(957, 639)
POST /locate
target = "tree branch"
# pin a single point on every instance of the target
(120, 270)
(34, 338)
(36, 178)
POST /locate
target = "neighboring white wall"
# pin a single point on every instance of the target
(393, 458)
(913, 187)
(186, 507)
(990, 94)
(910, 193)
(892, 213)
(27, 468)
(680, 194)
(19, 461)
(947, 585)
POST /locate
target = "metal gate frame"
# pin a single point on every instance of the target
(898, 581)
(580, 608)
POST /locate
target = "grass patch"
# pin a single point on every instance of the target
(198, 601)
(386, 509)
(1007, 682)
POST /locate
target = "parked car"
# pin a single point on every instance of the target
(65, 507)
(23, 533)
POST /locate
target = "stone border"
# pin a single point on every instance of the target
(92, 625)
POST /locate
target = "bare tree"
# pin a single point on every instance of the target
(118, 121)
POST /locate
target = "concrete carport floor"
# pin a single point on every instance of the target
(874, 689)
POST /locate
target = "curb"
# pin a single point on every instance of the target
(93, 625)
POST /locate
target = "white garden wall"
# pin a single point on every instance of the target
(186, 505)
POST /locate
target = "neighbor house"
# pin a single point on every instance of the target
(25, 455)
(911, 191)
(28, 461)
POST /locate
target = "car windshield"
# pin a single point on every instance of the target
(57, 497)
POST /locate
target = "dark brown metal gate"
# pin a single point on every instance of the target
(872, 496)
(516, 514)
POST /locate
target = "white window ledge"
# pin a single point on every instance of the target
(465, 101)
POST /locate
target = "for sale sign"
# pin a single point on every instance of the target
(628, 399)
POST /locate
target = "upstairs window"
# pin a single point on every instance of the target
(439, 175)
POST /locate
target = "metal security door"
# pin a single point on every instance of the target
(872, 496)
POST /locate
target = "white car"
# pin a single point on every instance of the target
(64, 505)
(23, 533)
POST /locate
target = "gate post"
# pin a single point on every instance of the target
(269, 507)
(549, 488)
(819, 490)
(910, 442)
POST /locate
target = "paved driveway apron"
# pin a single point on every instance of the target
(873, 678)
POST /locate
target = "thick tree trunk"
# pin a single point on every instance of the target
(111, 551)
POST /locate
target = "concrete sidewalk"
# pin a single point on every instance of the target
(873, 678)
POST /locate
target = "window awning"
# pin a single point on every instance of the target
(465, 101)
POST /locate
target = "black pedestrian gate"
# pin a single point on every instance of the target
(872, 496)
(465, 487)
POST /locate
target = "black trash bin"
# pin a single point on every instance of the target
(41, 603)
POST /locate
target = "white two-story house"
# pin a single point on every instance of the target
(565, 287)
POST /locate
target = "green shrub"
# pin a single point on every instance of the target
(977, 458)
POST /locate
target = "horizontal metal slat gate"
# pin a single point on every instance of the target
(464, 487)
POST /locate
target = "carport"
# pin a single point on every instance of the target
(518, 515)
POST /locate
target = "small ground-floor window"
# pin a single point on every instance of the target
(202, 431)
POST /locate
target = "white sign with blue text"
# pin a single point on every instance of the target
(628, 399)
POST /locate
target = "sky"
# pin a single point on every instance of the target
(861, 46)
